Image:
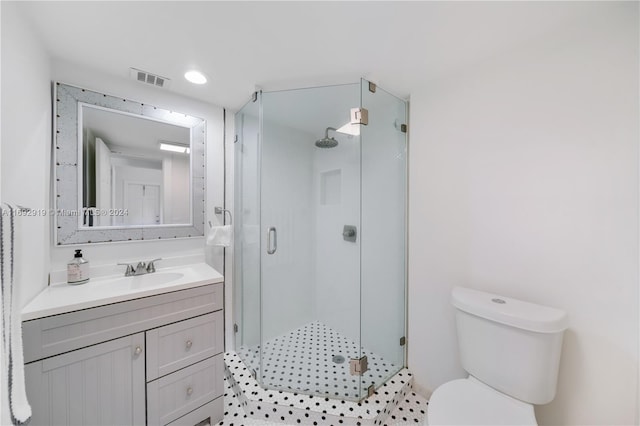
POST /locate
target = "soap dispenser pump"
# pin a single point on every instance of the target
(78, 269)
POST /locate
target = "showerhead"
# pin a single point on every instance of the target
(327, 142)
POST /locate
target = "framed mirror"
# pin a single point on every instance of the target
(125, 170)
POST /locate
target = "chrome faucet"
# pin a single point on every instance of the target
(141, 268)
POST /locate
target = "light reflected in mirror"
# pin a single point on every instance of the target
(135, 170)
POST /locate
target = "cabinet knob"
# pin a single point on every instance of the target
(189, 390)
(189, 344)
(138, 350)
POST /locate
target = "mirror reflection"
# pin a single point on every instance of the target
(135, 170)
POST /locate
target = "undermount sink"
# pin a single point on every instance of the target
(149, 280)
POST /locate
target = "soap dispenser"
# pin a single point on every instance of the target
(78, 269)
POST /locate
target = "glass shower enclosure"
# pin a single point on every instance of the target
(320, 238)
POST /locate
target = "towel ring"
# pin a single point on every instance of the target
(220, 210)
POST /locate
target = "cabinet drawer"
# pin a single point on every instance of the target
(172, 396)
(57, 334)
(178, 345)
(208, 415)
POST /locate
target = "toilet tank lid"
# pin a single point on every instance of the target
(508, 311)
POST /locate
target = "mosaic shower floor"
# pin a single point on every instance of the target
(303, 361)
(246, 403)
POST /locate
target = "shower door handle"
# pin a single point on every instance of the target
(272, 249)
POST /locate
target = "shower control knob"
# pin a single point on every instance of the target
(349, 233)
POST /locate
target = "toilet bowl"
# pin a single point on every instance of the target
(471, 402)
(511, 350)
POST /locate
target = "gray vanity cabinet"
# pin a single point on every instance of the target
(156, 360)
(98, 385)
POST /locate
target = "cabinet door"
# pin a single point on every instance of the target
(102, 384)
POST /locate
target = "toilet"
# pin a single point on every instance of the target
(511, 350)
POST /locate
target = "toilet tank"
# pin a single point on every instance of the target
(510, 345)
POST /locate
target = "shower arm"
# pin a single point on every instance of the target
(326, 132)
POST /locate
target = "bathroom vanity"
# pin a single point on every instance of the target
(127, 351)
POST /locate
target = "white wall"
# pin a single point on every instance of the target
(26, 131)
(26, 144)
(120, 86)
(524, 182)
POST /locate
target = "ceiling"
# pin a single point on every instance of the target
(274, 45)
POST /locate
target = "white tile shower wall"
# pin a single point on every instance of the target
(100, 254)
(287, 276)
(524, 182)
(336, 197)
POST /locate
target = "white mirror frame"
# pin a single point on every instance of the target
(66, 141)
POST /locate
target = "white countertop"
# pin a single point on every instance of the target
(61, 298)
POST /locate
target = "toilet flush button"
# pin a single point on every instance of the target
(500, 301)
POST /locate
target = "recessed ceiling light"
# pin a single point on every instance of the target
(195, 77)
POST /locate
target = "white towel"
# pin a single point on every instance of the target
(220, 236)
(13, 385)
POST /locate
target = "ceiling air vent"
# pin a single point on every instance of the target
(148, 78)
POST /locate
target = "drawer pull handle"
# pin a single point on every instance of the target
(189, 344)
(138, 350)
(189, 390)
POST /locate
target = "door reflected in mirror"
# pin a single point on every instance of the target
(135, 170)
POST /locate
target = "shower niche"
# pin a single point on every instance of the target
(317, 311)
(330, 187)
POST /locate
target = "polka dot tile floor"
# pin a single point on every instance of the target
(297, 408)
(314, 359)
(410, 411)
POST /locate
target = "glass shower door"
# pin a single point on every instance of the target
(384, 169)
(247, 235)
(310, 272)
(320, 239)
